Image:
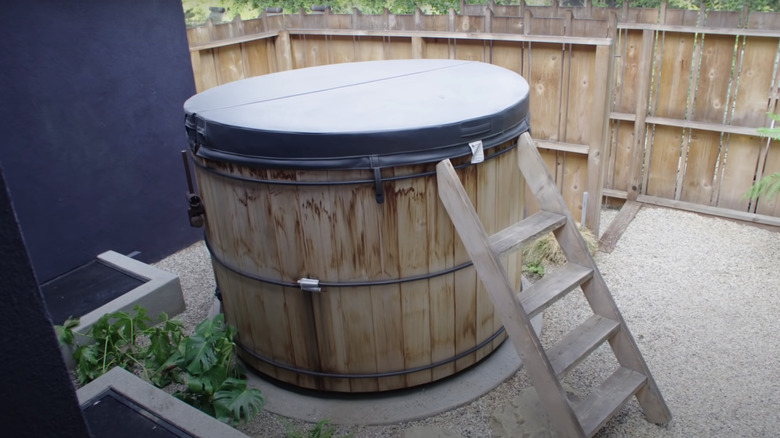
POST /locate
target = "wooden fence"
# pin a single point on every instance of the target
(657, 105)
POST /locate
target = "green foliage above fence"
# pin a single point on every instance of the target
(197, 11)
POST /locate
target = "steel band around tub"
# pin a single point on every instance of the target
(281, 182)
(296, 285)
(370, 375)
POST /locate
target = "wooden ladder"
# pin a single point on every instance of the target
(544, 367)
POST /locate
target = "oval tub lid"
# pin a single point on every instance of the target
(358, 115)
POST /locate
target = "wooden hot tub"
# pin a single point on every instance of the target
(333, 255)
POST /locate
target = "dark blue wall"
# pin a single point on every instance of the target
(92, 122)
(36, 395)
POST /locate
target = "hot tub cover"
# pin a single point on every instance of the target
(358, 115)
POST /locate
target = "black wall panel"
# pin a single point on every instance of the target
(92, 122)
(36, 395)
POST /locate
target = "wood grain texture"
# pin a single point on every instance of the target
(546, 85)
(492, 274)
(340, 234)
(664, 160)
(441, 289)
(770, 205)
(348, 256)
(697, 184)
(410, 205)
(755, 81)
(673, 75)
(466, 289)
(711, 99)
(618, 226)
(595, 290)
(738, 166)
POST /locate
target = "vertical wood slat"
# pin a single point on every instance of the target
(409, 204)
(356, 303)
(691, 95)
(641, 105)
(598, 139)
(441, 289)
(466, 282)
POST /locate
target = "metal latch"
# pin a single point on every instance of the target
(309, 284)
(195, 211)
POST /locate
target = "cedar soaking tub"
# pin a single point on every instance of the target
(333, 255)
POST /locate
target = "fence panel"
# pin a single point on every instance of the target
(689, 87)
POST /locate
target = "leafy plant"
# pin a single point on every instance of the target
(534, 268)
(204, 362)
(769, 185)
(320, 430)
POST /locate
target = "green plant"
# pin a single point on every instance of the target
(320, 430)
(534, 268)
(545, 250)
(769, 185)
(204, 362)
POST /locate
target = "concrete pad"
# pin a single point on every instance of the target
(524, 417)
(161, 292)
(162, 404)
(392, 406)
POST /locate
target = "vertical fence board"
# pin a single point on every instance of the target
(546, 63)
(771, 206)
(507, 24)
(674, 71)
(437, 48)
(371, 49)
(711, 96)
(739, 166)
(622, 153)
(470, 50)
(584, 76)
(230, 64)
(257, 56)
(317, 51)
(298, 52)
(755, 81)
(399, 48)
(508, 55)
(764, 20)
(664, 160)
(342, 49)
(208, 67)
(700, 167)
(628, 76)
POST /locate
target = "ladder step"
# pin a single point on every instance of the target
(580, 342)
(514, 236)
(604, 401)
(553, 286)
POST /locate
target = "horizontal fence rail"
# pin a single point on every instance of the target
(656, 105)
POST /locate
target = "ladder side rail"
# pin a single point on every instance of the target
(595, 289)
(506, 302)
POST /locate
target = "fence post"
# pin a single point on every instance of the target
(283, 51)
(599, 138)
(640, 127)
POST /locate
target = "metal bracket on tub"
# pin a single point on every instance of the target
(309, 284)
(196, 212)
(380, 191)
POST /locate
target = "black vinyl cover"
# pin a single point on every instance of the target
(358, 115)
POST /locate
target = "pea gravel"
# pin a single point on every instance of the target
(701, 296)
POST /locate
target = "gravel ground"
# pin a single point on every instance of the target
(701, 296)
